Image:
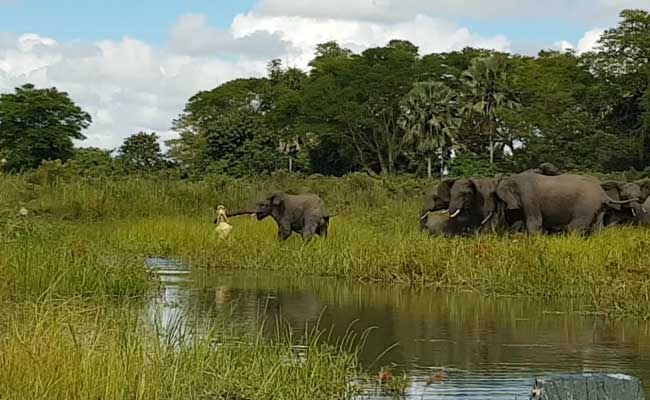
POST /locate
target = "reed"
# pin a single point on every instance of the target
(66, 350)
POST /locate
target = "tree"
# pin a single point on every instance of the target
(488, 89)
(430, 118)
(241, 143)
(37, 125)
(141, 153)
(622, 62)
(92, 161)
(359, 98)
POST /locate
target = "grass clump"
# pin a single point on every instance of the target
(69, 351)
(608, 271)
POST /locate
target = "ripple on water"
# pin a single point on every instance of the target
(489, 348)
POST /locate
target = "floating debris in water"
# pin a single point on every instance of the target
(436, 378)
(385, 376)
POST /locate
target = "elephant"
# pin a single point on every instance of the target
(632, 213)
(645, 218)
(474, 202)
(563, 202)
(438, 197)
(439, 224)
(546, 169)
(304, 214)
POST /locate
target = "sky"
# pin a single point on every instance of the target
(134, 64)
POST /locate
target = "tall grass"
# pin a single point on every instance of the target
(608, 271)
(374, 237)
(65, 351)
(50, 261)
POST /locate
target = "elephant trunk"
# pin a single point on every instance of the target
(240, 212)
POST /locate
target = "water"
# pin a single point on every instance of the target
(489, 348)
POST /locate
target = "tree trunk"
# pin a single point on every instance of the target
(491, 149)
(290, 164)
(429, 167)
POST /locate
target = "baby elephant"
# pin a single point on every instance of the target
(305, 214)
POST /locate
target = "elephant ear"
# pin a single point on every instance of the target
(613, 189)
(444, 189)
(278, 200)
(644, 184)
(485, 192)
(508, 192)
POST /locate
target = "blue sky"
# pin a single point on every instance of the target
(134, 64)
(151, 20)
(148, 20)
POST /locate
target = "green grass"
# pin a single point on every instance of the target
(73, 282)
(66, 351)
(609, 271)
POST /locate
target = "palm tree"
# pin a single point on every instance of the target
(430, 118)
(487, 81)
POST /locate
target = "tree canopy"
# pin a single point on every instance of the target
(384, 110)
(37, 125)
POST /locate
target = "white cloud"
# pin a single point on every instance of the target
(304, 33)
(587, 43)
(193, 35)
(129, 85)
(393, 10)
(126, 85)
(589, 40)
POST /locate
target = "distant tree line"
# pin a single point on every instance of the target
(386, 110)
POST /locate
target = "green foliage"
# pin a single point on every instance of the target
(489, 92)
(37, 125)
(140, 153)
(430, 117)
(241, 143)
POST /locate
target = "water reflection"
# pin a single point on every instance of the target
(490, 348)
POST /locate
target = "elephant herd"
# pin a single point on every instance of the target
(540, 200)
(534, 201)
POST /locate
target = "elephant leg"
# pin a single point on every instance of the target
(284, 231)
(322, 228)
(310, 228)
(534, 222)
(581, 224)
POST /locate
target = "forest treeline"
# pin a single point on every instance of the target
(385, 110)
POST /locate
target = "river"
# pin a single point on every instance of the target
(489, 348)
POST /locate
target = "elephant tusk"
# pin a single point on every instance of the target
(486, 219)
(633, 212)
(425, 215)
(455, 214)
(644, 210)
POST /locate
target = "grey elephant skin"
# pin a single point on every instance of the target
(433, 221)
(566, 202)
(439, 224)
(475, 202)
(304, 214)
(634, 212)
